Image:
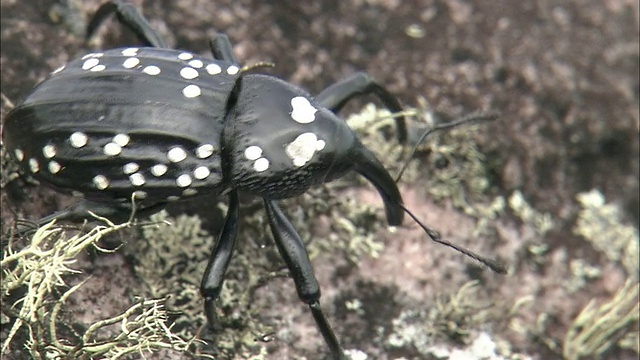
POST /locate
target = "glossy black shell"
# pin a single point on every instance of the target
(144, 120)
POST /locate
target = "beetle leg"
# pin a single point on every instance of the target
(128, 16)
(295, 255)
(336, 96)
(211, 284)
(80, 211)
(222, 49)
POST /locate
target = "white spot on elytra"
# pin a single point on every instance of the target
(77, 194)
(201, 172)
(302, 111)
(112, 149)
(57, 70)
(49, 151)
(101, 182)
(253, 152)
(89, 63)
(92, 55)
(185, 56)
(232, 70)
(98, 68)
(131, 63)
(159, 169)
(301, 150)
(196, 64)
(34, 166)
(130, 52)
(78, 139)
(213, 69)
(19, 154)
(151, 70)
(183, 180)
(189, 73)
(173, 198)
(121, 139)
(137, 179)
(189, 192)
(261, 165)
(204, 151)
(130, 168)
(191, 91)
(54, 167)
(176, 154)
(139, 194)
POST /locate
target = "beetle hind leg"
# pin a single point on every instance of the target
(221, 48)
(128, 16)
(80, 211)
(295, 256)
(337, 95)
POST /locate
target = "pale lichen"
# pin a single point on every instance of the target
(38, 271)
(170, 261)
(601, 225)
(453, 317)
(599, 327)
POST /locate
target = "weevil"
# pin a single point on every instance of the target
(161, 125)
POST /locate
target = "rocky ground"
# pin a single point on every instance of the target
(550, 188)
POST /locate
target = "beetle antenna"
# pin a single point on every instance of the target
(467, 119)
(258, 65)
(435, 236)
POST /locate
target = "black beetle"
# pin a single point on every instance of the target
(163, 125)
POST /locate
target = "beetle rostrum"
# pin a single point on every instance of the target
(162, 125)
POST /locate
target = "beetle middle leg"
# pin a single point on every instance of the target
(130, 17)
(295, 255)
(337, 95)
(211, 284)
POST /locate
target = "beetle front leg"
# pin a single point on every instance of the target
(336, 96)
(128, 16)
(295, 255)
(211, 284)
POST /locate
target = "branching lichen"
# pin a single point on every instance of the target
(170, 260)
(598, 327)
(39, 270)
